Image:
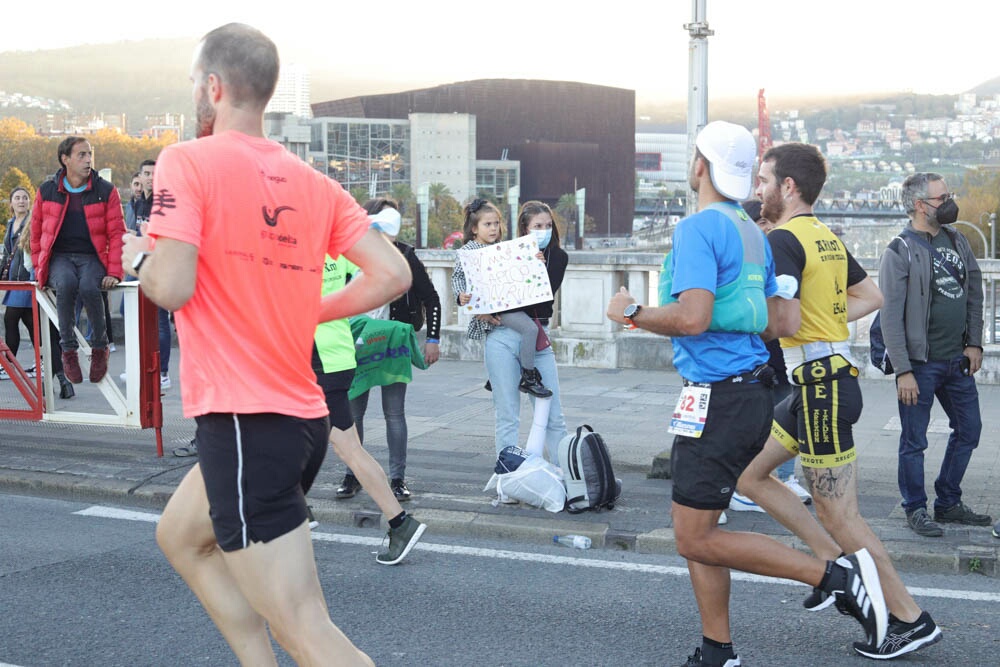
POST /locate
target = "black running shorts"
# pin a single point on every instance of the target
(816, 421)
(704, 470)
(257, 470)
(335, 387)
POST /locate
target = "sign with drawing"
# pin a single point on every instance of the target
(504, 276)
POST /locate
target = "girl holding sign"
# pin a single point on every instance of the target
(483, 227)
(502, 350)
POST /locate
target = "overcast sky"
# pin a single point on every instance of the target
(788, 47)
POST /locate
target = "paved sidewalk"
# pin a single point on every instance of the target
(451, 457)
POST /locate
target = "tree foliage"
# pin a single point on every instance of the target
(12, 179)
(35, 155)
(978, 197)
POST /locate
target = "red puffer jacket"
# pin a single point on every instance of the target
(103, 209)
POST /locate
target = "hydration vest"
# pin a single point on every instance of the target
(740, 306)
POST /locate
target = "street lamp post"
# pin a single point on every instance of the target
(992, 254)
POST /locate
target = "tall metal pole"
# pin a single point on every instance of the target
(993, 236)
(697, 115)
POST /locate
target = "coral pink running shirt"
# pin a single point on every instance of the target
(262, 221)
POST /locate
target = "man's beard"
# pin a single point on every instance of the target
(204, 117)
(773, 206)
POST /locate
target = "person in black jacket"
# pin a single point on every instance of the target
(15, 260)
(502, 349)
(419, 303)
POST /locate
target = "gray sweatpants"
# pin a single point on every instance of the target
(520, 322)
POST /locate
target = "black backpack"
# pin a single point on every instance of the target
(587, 473)
(876, 343)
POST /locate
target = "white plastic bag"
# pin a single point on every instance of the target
(536, 482)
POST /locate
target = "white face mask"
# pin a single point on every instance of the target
(543, 236)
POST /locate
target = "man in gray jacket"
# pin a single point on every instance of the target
(932, 322)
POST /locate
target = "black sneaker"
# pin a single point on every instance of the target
(696, 661)
(920, 523)
(313, 523)
(531, 383)
(401, 540)
(348, 488)
(863, 597)
(961, 513)
(817, 600)
(902, 638)
(399, 490)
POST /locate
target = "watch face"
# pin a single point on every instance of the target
(630, 310)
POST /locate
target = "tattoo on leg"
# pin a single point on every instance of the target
(829, 482)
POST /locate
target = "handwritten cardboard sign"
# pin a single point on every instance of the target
(504, 276)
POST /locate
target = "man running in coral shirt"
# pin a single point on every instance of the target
(237, 237)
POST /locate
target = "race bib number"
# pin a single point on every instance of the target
(691, 411)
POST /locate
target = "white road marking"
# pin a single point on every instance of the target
(643, 568)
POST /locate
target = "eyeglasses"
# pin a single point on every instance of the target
(942, 198)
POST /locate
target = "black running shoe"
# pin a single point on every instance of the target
(313, 523)
(902, 638)
(817, 600)
(863, 596)
(348, 488)
(399, 490)
(963, 514)
(696, 661)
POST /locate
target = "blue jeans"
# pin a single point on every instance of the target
(394, 410)
(959, 397)
(165, 340)
(503, 366)
(76, 273)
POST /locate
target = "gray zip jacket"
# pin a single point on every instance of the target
(904, 277)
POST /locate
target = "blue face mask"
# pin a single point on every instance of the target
(543, 236)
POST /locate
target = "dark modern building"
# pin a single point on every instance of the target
(565, 135)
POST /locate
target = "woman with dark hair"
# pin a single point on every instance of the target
(15, 264)
(419, 303)
(502, 349)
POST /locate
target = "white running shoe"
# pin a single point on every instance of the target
(793, 483)
(164, 381)
(740, 503)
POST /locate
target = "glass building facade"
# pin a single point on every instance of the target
(362, 153)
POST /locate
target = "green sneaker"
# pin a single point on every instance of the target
(401, 540)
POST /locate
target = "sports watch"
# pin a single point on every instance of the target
(137, 262)
(630, 312)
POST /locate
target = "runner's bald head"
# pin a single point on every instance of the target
(246, 61)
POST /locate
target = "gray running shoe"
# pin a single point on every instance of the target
(902, 638)
(996, 530)
(190, 449)
(963, 514)
(920, 523)
(401, 540)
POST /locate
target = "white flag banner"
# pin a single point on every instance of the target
(504, 276)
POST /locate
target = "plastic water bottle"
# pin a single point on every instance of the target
(575, 541)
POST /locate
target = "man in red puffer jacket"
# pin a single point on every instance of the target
(76, 248)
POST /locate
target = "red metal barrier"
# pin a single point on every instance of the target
(150, 406)
(149, 409)
(29, 388)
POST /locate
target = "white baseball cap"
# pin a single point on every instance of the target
(731, 152)
(387, 220)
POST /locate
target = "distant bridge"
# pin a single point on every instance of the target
(824, 208)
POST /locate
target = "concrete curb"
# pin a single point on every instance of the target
(929, 558)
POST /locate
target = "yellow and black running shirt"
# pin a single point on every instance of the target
(806, 249)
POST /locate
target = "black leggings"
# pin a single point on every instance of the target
(12, 319)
